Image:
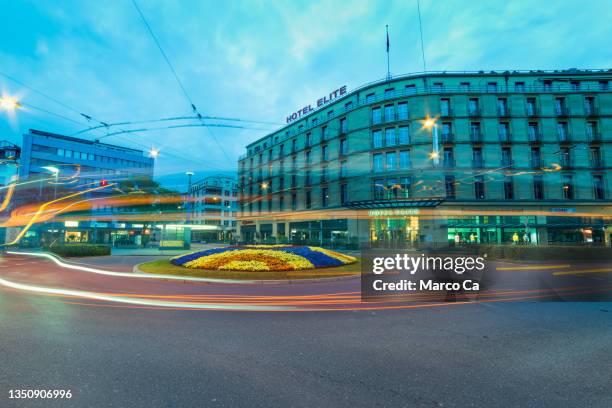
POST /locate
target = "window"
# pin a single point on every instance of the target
(464, 86)
(348, 105)
(502, 106)
(538, 187)
(475, 135)
(343, 147)
(404, 159)
(562, 131)
(568, 187)
(293, 181)
(506, 157)
(343, 125)
(591, 131)
(448, 157)
(281, 183)
(530, 106)
(324, 174)
(449, 185)
(547, 86)
(314, 121)
(479, 188)
(508, 188)
(343, 168)
(598, 187)
(406, 187)
(564, 157)
(293, 201)
(307, 157)
(575, 85)
(370, 98)
(410, 89)
(68, 153)
(391, 161)
(308, 199)
(307, 178)
(536, 158)
(390, 137)
(492, 87)
(60, 152)
(393, 189)
(473, 107)
(377, 162)
(389, 93)
(376, 118)
(343, 193)
(324, 196)
(437, 87)
(503, 129)
(589, 106)
(404, 135)
(532, 132)
(559, 106)
(293, 147)
(603, 85)
(596, 158)
(281, 203)
(389, 113)
(402, 111)
(281, 150)
(377, 141)
(330, 114)
(379, 189)
(324, 153)
(477, 161)
(324, 133)
(445, 109)
(447, 132)
(519, 86)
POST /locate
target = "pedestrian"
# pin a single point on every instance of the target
(515, 238)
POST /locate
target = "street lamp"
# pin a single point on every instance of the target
(188, 206)
(55, 171)
(154, 152)
(9, 103)
(430, 123)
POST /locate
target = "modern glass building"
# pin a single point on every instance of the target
(443, 158)
(213, 201)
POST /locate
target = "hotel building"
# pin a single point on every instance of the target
(444, 157)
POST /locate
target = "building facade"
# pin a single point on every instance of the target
(213, 201)
(476, 157)
(77, 165)
(9, 162)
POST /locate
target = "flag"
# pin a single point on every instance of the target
(387, 27)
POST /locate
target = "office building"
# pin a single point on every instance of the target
(213, 201)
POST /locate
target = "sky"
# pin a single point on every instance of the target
(256, 61)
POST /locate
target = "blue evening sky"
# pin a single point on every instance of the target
(258, 60)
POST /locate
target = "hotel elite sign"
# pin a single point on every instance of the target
(320, 102)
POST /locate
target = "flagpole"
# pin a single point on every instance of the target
(388, 70)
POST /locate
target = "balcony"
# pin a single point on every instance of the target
(505, 138)
(476, 137)
(594, 137)
(478, 164)
(474, 113)
(448, 138)
(503, 112)
(535, 138)
(448, 163)
(446, 113)
(590, 111)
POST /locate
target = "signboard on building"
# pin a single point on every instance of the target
(394, 212)
(320, 102)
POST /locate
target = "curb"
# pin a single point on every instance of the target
(136, 269)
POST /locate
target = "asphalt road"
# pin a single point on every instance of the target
(536, 354)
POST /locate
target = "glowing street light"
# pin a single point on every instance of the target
(154, 152)
(430, 123)
(9, 103)
(264, 186)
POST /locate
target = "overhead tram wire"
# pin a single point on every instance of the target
(176, 118)
(176, 77)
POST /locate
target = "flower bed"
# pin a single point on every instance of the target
(263, 258)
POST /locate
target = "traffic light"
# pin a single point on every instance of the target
(103, 182)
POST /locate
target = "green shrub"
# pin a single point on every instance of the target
(546, 252)
(76, 250)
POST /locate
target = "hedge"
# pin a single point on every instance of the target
(77, 250)
(546, 252)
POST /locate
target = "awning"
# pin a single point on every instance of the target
(395, 203)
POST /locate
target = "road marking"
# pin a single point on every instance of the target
(580, 272)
